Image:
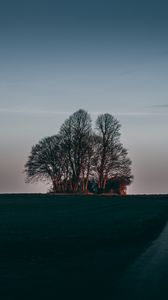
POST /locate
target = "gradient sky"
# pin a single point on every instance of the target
(102, 56)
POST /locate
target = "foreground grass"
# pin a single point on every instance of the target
(59, 247)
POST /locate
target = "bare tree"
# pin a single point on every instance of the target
(75, 134)
(78, 158)
(111, 156)
(45, 162)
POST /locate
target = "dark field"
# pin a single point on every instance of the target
(75, 247)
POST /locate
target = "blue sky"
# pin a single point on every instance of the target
(103, 56)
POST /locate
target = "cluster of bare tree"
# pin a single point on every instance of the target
(79, 159)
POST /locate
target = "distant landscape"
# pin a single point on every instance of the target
(84, 150)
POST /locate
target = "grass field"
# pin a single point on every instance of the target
(66, 247)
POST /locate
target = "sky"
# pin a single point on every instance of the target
(102, 56)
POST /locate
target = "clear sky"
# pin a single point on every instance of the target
(99, 55)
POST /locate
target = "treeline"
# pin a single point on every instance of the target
(80, 159)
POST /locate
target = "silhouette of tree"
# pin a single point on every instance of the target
(80, 160)
(45, 162)
(112, 161)
(75, 134)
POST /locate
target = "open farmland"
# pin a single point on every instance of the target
(82, 247)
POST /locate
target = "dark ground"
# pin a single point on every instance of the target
(73, 247)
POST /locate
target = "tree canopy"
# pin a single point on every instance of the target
(80, 159)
